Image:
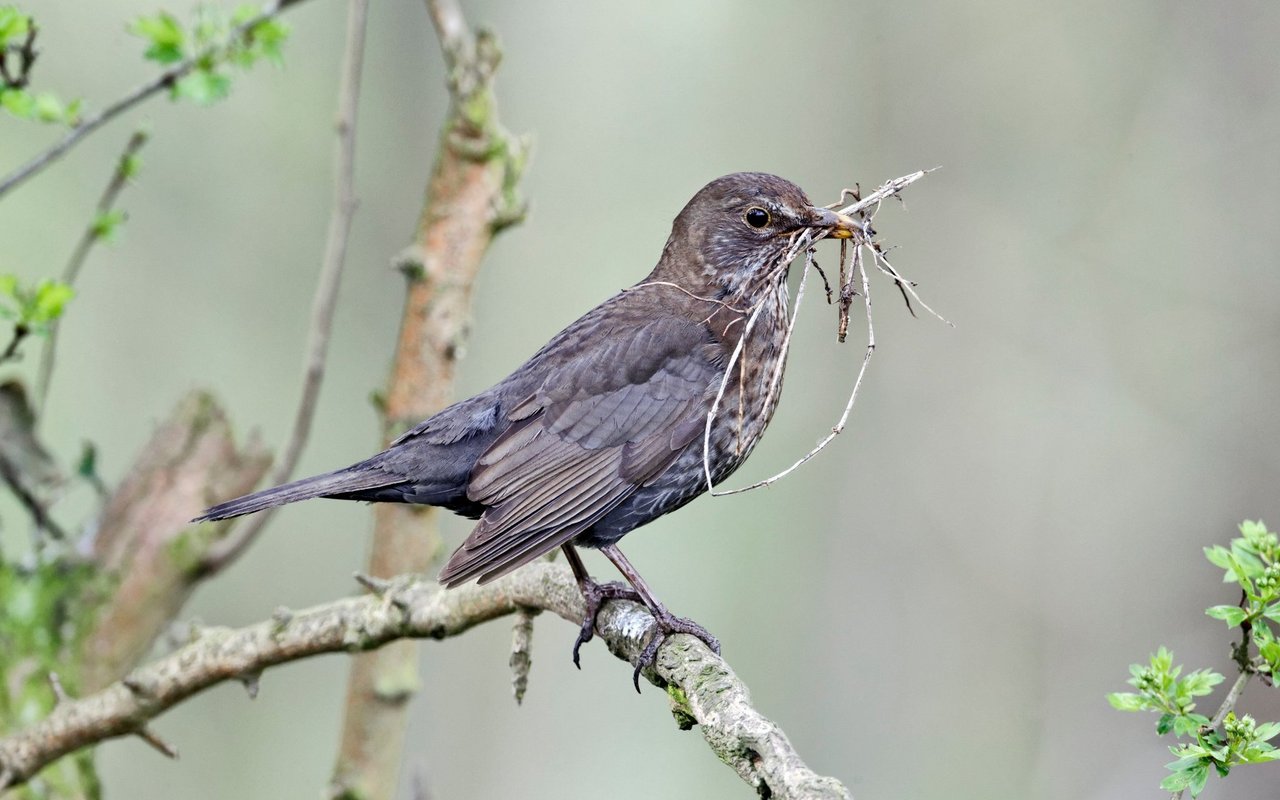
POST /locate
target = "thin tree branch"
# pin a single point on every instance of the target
(470, 197)
(701, 687)
(159, 83)
(326, 296)
(125, 168)
(1233, 697)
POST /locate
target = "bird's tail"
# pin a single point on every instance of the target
(343, 482)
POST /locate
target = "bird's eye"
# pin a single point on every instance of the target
(756, 217)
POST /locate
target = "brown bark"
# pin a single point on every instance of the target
(468, 199)
(145, 544)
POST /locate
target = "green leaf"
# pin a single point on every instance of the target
(1126, 701)
(1218, 556)
(50, 300)
(165, 34)
(203, 87)
(1251, 528)
(1232, 615)
(1266, 731)
(268, 38)
(9, 285)
(1201, 682)
(48, 108)
(1252, 565)
(14, 25)
(72, 115)
(1182, 770)
(130, 166)
(18, 102)
(1199, 777)
(88, 466)
(107, 224)
(1164, 724)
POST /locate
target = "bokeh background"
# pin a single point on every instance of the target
(937, 605)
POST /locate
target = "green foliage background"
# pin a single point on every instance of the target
(936, 606)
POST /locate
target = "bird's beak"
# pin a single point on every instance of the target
(841, 226)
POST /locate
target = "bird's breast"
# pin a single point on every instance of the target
(749, 394)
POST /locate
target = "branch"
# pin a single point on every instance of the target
(702, 688)
(143, 541)
(326, 295)
(25, 465)
(164, 80)
(470, 197)
(126, 166)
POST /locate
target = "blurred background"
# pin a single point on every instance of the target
(934, 607)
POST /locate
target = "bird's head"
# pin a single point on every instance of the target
(732, 236)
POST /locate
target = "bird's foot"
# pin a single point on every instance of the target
(664, 624)
(595, 595)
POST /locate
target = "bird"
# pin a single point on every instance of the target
(605, 428)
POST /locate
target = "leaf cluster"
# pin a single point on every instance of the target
(17, 33)
(1252, 561)
(33, 308)
(214, 40)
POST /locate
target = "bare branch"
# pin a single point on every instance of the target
(143, 540)
(326, 294)
(157, 84)
(125, 167)
(470, 197)
(25, 465)
(703, 688)
(1233, 697)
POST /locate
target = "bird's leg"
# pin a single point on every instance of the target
(594, 595)
(665, 623)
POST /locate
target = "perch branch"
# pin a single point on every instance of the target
(159, 83)
(326, 294)
(703, 689)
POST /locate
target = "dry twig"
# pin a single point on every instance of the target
(852, 267)
(93, 233)
(326, 295)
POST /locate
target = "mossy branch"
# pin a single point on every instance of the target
(701, 687)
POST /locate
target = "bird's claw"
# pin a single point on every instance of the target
(665, 624)
(594, 595)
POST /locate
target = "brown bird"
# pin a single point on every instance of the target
(602, 430)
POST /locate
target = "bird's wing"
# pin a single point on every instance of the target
(602, 423)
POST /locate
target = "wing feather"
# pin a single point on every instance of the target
(597, 427)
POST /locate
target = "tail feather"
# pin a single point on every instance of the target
(343, 481)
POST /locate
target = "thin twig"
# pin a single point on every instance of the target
(20, 333)
(860, 268)
(326, 294)
(1233, 697)
(705, 689)
(888, 189)
(865, 209)
(26, 54)
(157, 84)
(125, 168)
